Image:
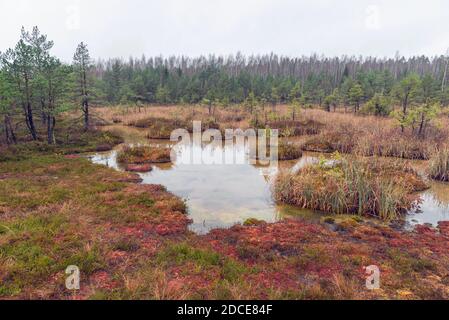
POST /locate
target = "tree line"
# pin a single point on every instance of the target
(35, 86)
(231, 79)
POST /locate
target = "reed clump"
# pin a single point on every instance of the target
(143, 155)
(288, 151)
(360, 187)
(439, 165)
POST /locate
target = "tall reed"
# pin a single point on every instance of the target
(348, 187)
(439, 165)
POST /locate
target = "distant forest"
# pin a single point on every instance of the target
(36, 84)
(274, 78)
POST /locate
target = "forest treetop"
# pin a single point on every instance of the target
(33, 83)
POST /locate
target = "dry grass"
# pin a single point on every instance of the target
(290, 128)
(372, 136)
(229, 117)
(288, 151)
(143, 155)
(439, 165)
(342, 186)
(328, 132)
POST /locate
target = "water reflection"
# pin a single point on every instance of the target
(217, 194)
(221, 195)
(434, 208)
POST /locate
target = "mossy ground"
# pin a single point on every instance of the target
(132, 242)
(69, 142)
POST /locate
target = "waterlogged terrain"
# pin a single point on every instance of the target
(131, 239)
(222, 195)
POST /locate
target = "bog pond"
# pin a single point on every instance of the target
(222, 195)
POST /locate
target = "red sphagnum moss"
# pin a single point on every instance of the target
(132, 242)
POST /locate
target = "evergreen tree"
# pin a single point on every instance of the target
(82, 64)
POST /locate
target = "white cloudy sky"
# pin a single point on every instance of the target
(121, 28)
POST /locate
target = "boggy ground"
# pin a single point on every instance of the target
(316, 130)
(131, 241)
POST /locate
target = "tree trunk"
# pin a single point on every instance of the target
(11, 129)
(51, 122)
(85, 98)
(43, 115)
(86, 115)
(29, 111)
(404, 114)
(30, 121)
(7, 134)
(421, 125)
(443, 83)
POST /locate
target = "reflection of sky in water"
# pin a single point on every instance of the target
(434, 208)
(221, 195)
(218, 195)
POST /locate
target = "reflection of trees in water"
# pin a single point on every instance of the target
(164, 166)
(440, 193)
(437, 198)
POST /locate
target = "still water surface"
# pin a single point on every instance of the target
(220, 196)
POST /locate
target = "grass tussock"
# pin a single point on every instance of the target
(439, 165)
(360, 187)
(143, 155)
(288, 151)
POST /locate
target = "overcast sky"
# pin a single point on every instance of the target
(123, 28)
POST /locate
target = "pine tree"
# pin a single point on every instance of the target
(82, 64)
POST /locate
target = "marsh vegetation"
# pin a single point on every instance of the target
(221, 232)
(360, 187)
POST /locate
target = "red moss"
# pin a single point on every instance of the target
(103, 280)
(139, 168)
(444, 227)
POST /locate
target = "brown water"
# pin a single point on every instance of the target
(220, 196)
